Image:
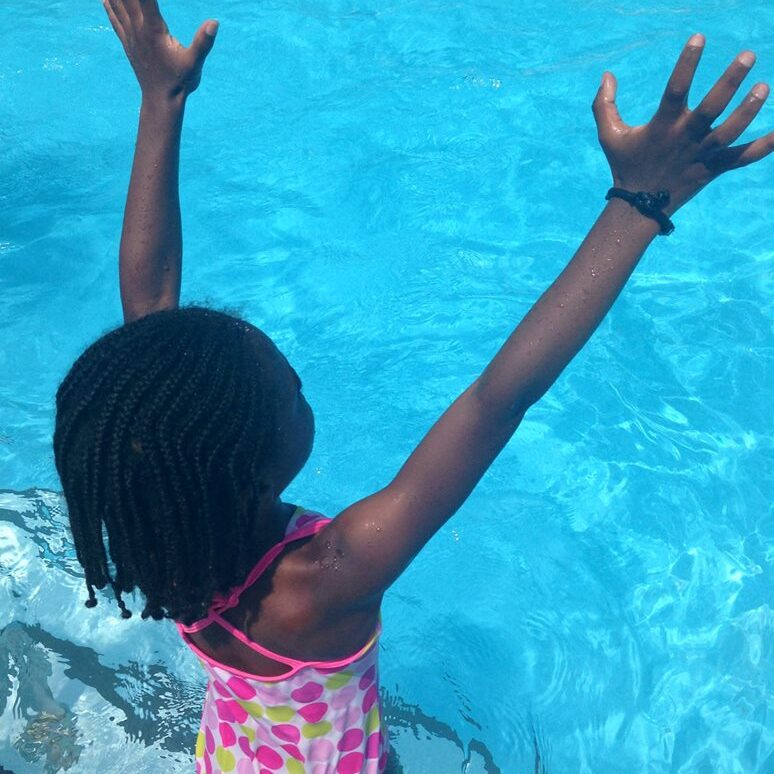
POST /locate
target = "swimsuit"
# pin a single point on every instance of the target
(320, 717)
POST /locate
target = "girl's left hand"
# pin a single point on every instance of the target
(162, 65)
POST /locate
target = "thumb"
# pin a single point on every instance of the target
(605, 110)
(204, 39)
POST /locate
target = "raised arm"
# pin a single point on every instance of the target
(151, 253)
(372, 541)
(677, 151)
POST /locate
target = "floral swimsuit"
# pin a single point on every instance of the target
(319, 717)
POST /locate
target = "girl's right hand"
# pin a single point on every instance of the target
(678, 150)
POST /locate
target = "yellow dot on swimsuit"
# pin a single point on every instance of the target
(200, 744)
(372, 723)
(280, 714)
(251, 708)
(248, 732)
(294, 767)
(313, 730)
(225, 759)
(338, 681)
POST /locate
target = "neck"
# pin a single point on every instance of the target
(271, 524)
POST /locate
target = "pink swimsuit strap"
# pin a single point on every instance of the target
(222, 603)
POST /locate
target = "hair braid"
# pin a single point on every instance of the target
(106, 500)
(237, 460)
(175, 461)
(202, 468)
(201, 369)
(160, 425)
(121, 517)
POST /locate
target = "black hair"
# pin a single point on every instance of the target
(161, 425)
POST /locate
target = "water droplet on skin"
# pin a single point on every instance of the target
(561, 305)
(378, 529)
(328, 545)
(618, 241)
(594, 273)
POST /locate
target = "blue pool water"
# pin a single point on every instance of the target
(386, 188)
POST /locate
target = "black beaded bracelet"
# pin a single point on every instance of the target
(648, 204)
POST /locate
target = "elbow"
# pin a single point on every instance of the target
(500, 401)
(134, 310)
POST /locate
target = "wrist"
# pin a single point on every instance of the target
(163, 103)
(629, 219)
(650, 204)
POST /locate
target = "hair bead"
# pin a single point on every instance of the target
(92, 600)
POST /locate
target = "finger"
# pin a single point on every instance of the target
(151, 14)
(742, 155)
(605, 110)
(133, 10)
(117, 7)
(204, 41)
(675, 96)
(119, 30)
(716, 101)
(733, 127)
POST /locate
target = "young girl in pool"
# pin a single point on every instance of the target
(177, 433)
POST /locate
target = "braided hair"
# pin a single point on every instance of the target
(161, 425)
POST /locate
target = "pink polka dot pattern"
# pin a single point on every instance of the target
(227, 735)
(374, 745)
(269, 757)
(351, 764)
(309, 692)
(313, 713)
(351, 739)
(244, 746)
(367, 679)
(241, 688)
(286, 732)
(231, 711)
(294, 752)
(369, 699)
(322, 719)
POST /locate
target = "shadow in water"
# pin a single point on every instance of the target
(57, 698)
(156, 708)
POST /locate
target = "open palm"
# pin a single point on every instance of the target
(163, 66)
(679, 150)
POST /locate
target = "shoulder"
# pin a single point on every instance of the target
(304, 602)
(313, 569)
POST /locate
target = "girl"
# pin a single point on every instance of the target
(177, 433)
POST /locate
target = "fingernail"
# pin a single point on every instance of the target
(760, 90)
(696, 40)
(747, 58)
(212, 29)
